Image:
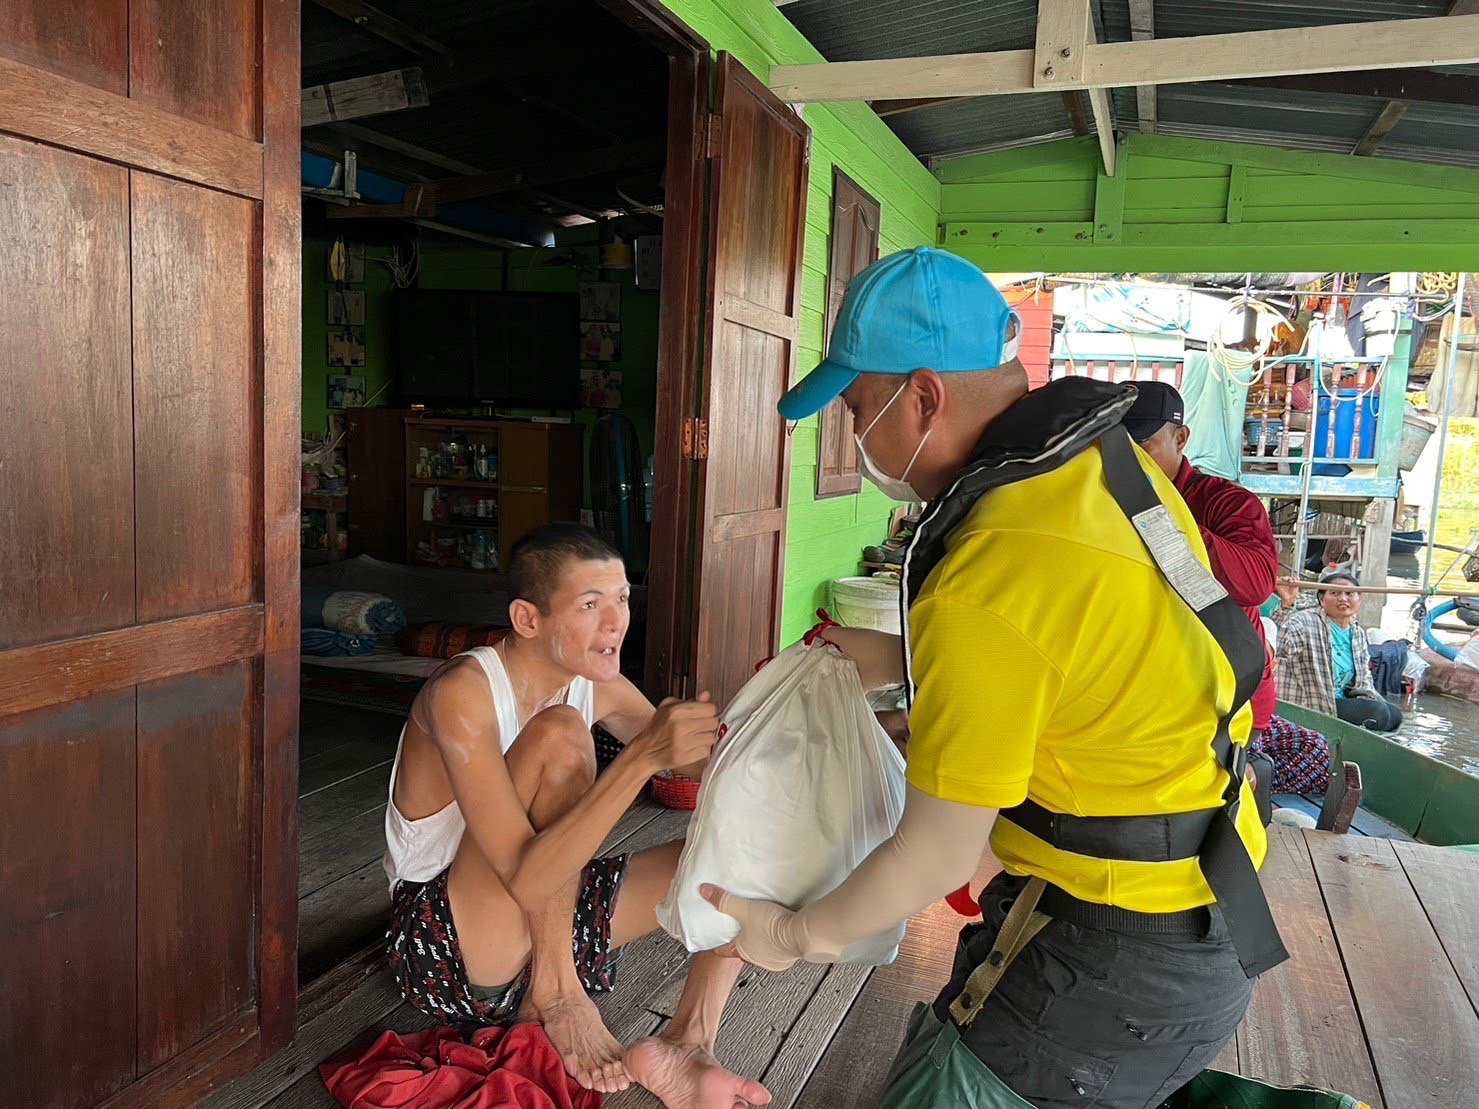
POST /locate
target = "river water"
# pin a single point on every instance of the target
(1444, 727)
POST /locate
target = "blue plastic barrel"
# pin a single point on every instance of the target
(1347, 443)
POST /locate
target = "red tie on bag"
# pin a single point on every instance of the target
(811, 637)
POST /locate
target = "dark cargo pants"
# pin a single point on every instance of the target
(1083, 1017)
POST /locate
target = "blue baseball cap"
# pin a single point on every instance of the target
(920, 308)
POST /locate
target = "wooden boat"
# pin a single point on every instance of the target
(1422, 797)
(1408, 542)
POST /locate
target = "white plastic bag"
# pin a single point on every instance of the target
(801, 788)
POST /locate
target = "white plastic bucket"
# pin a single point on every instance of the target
(1416, 431)
(867, 603)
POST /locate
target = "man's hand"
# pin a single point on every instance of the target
(681, 734)
(1288, 591)
(770, 936)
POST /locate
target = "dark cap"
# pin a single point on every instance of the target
(1156, 405)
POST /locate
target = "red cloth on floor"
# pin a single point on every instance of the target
(499, 1068)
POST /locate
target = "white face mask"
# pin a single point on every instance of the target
(895, 488)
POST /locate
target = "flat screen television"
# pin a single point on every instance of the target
(468, 347)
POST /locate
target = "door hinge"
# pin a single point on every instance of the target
(695, 438)
(713, 136)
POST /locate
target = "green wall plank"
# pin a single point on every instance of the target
(1159, 193)
(1064, 200)
(1072, 157)
(1298, 161)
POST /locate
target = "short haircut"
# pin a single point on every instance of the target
(1340, 575)
(539, 557)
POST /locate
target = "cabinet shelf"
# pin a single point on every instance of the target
(453, 483)
(541, 468)
(486, 524)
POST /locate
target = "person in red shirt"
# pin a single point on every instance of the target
(1234, 524)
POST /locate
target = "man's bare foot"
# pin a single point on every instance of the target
(686, 1076)
(592, 1055)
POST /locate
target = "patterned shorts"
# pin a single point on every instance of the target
(426, 958)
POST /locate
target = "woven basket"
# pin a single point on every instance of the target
(1471, 568)
(675, 791)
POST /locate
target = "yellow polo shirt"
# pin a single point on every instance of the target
(1052, 660)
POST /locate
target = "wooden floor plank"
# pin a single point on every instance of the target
(810, 1036)
(342, 850)
(313, 713)
(1447, 883)
(858, 1058)
(1419, 1024)
(342, 918)
(1302, 1025)
(318, 1039)
(352, 756)
(309, 1091)
(1229, 1060)
(328, 808)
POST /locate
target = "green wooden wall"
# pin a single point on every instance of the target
(824, 538)
(1190, 205)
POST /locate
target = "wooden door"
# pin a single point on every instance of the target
(758, 217)
(149, 419)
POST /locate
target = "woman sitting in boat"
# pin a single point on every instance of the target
(1325, 658)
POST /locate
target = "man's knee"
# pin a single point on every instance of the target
(563, 743)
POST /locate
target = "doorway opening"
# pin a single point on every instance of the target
(500, 304)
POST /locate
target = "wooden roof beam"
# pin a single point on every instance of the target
(364, 96)
(640, 155)
(1392, 112)
(1065, 32)
(1142, 29)
(373, 21)
(1387, 44)
(1385, 122)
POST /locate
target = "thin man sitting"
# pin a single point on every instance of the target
(501, 914)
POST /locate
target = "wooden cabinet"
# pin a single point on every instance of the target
(459, 493)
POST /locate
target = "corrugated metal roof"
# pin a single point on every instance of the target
(848, 30)
(985, 122)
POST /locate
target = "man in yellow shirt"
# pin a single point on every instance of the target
(1078, 684)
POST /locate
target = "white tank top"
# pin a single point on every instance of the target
(419, 850)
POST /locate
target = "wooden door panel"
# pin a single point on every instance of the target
(86, 40)
(758, 215)
(751, 479)
(196, 397)
(187, 58)
(67, 863)
(196, 737)
(66, 452)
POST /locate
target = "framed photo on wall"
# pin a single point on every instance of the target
(600, 342)
(346, 348)
(345, 307)
(346, 391)
(600, 301)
